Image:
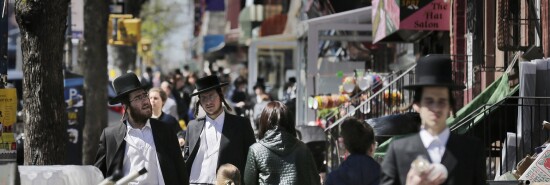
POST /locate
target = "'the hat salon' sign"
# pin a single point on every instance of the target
(393, 20)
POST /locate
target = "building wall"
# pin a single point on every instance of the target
(499, 54)
(524, 13)
(490, 43)
(458, 47)
(545, 20)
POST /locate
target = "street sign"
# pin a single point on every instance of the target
(74, 97)
(8, 106)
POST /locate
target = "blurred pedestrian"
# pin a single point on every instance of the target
(139, 142)
(157, 97)
(258, 108)
(279, 157)
(228, 174)
(359, 168)
(181, 97)
(239, 96)
(170, 106)
(157, 78)
(185, 71)
(259, 90)
(147, 78)
(289, 90)
(217, 138)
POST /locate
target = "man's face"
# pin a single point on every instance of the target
(140, 107)
(434, 108)
(210, 102)
(258, 91)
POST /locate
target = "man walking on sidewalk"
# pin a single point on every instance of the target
(462, 156)
(140, 142)
(217, 138)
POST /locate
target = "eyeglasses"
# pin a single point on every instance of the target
(144, 96)
(207, 98)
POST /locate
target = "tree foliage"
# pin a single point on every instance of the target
(158, 21)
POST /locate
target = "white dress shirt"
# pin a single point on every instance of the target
(141, 152)
(204, 166)
(435, 144)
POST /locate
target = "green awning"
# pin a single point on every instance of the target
(497, 91)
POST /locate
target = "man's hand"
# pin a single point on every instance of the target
(428, 177)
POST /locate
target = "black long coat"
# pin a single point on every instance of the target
(237, 136)
(464, 159)
(110, 154)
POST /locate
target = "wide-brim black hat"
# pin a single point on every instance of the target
(208, 83)
(124, 85)
(434, 71)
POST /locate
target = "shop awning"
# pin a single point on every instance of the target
(494, 93)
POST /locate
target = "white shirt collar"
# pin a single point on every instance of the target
(427, 138)
(218, 120)
(129, 126)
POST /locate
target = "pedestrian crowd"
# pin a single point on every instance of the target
(208, 135)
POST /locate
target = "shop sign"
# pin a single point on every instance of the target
(391, 16)
(8, 106)
(425, 15)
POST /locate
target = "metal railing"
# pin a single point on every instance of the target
(509, 130)
(378, 104)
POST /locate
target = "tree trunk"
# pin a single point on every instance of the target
(42, 25)
(93, 58)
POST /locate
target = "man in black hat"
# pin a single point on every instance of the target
(462, 156)
(217, 138)
(140, 142)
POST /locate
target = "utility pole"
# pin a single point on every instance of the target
(4, 44)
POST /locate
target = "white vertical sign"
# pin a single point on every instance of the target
(470, 59)
(77, 18)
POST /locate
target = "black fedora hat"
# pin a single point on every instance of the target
(208, 83)
(434, 70)
(124, 85)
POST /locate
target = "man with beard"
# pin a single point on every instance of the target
(139, 142)
(217, 138)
